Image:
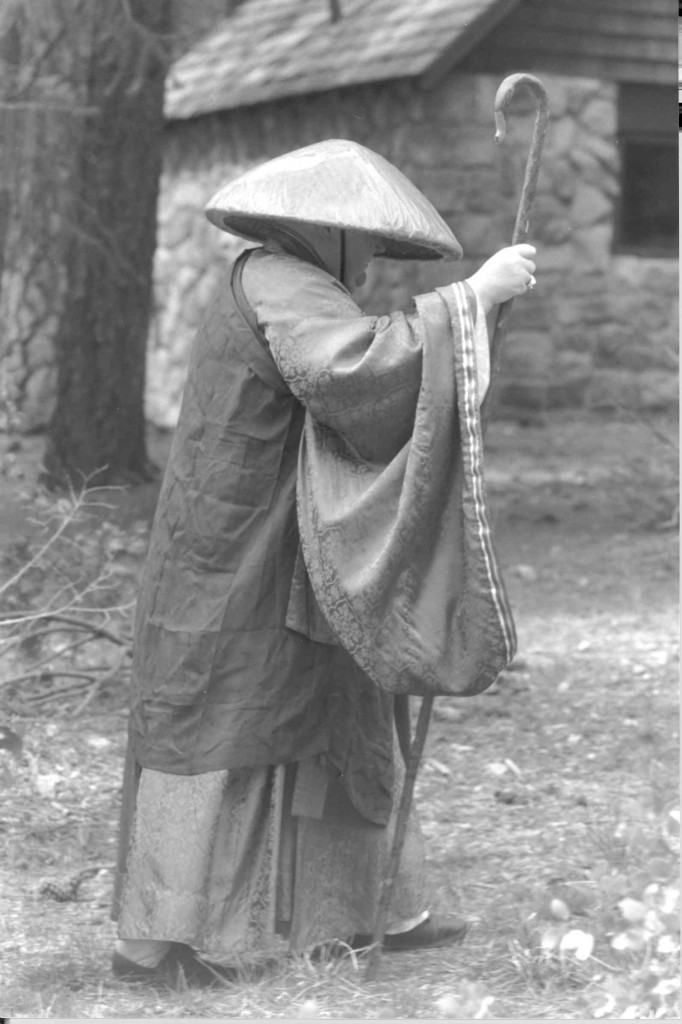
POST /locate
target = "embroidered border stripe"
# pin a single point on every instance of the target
(470, 420)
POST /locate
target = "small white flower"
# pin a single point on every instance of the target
(448, 1005)
(632, 910)
(671, 899)
(666, 944)
(632, 939)
(308, 1009)
(602, 1011)
(559, 910)
(579, 943)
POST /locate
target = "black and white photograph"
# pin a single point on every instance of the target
(339, 510)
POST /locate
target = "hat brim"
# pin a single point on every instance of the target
(259, 229)
(337, 184)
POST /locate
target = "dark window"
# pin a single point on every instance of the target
(648, 143)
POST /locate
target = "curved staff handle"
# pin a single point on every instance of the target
(502, 100)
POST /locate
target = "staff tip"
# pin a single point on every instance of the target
(500, 126)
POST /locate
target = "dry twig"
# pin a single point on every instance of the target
(49, 639)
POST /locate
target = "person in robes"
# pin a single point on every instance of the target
(320, 549)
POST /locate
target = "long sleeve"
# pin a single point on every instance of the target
(359, 375)
(399, 555)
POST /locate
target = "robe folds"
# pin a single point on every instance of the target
(321, 540)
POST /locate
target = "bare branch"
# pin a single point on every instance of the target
(91, 693)
(58, 654)
(56, 674)
(98, 630)
(41, 552)
(156, 42)
(91, 676)
(69, 624)
(39, 616)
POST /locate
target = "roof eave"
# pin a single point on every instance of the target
(288, 93)
(466, 41)
(428, 76)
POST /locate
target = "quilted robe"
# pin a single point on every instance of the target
(270, 629)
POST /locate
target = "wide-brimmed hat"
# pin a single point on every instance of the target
(338, 184)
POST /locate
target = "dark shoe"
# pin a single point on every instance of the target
(198, 973)
(180, 964)
(127, 970)
(434, 931)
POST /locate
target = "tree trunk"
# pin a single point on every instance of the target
(97, 432)
(39, 130)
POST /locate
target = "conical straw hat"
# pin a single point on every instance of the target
(339, 184)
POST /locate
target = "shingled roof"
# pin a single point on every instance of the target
(271, 49)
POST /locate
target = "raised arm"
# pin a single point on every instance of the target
(359, 375)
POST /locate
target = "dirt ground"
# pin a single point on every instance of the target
(546, 802)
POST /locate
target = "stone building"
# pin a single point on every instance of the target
(416, 82)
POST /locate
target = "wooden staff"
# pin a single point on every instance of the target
(416, 747)
(520, 233)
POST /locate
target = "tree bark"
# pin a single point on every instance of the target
(38, 136)
(97, 431)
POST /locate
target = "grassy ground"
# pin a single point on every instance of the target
(549, 803)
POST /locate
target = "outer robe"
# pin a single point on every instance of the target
(234, 663)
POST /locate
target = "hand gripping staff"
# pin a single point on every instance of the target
(412, 751)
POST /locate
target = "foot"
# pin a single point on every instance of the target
(181, 962)
(127, 970)
(434, 931)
